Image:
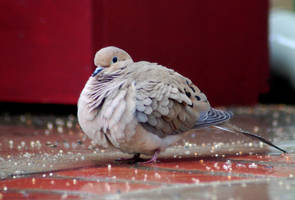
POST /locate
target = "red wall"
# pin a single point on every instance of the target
(47, 46)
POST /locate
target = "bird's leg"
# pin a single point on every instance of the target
(134, 159)
(153, 159)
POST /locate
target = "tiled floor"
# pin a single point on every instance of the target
(45, 157)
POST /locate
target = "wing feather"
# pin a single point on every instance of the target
(166, 102)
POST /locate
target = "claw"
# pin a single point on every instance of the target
(136, 159)
(153, 159)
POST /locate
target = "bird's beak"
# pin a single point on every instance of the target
(97, 70)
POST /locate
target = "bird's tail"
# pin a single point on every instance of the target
(233, 129)
(212, 117)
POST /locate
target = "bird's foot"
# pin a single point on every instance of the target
(153, 159)
(136, 159)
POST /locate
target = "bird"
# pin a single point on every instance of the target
(143, 107)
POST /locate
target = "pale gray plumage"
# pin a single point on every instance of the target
(140, 107)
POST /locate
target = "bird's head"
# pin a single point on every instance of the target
(111, 58)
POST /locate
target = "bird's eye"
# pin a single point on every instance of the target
(115, 59)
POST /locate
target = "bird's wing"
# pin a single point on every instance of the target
(166, 102)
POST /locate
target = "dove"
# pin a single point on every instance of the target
(142, 107)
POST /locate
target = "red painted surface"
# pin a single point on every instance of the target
(72, 185)
(47, 46)
(46, 52)
(127, 173)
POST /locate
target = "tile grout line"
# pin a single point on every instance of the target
(111, 180)
(271, 163)
(193, 171)
(93, 179)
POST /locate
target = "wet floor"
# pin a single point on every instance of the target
(49, 157)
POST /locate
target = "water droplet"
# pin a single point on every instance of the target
(32, 144)
(216, 166)
(23, 143)
(64, 196)
(22, 118)
(255, 129)
(252, 165)
(145, 177)
(47, 132)
(240, 165)
(244, 185)
(195, 180)
(59, 122)
(69, 124)
(60, 129)
(127, 186)
(157, 175)
(49, 125)
(10, 142)
(107, 187)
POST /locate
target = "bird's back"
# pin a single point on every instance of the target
(166, 102)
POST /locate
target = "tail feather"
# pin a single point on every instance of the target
(234, 129)
(213, 117)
